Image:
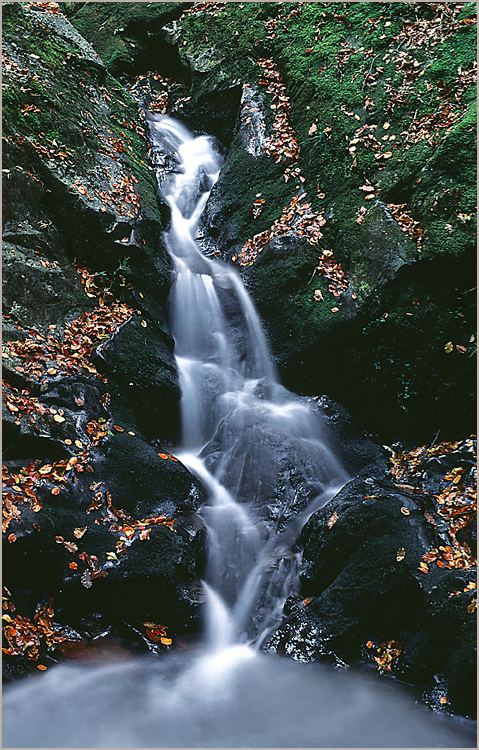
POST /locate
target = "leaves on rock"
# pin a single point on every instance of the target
(385, 654)
(32, 637)
(157, 633)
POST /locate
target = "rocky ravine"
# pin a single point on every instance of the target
(364, 305)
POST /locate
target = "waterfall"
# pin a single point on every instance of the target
(233, 411)
(241, 430)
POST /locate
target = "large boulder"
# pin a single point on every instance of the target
(365, 586)
(113, 512)
(138, 361)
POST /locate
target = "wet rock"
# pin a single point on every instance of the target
(362, 583)
(80, 192)
(36, 286)
(138, 477)
(357, 450)
(139, 361)
(226, 222)
(291, 474)
(278, 280)
(385, 249)
(130, 39)
(140, 485)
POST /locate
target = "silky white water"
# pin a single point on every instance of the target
(242, 433)
(233, 413)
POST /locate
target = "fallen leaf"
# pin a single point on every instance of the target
(400, 554)
(449, 347)
(58, 418)
(332, 520)
(312, 129)
(405, 511)
(86, 579)
(79, 532)
(70, 547)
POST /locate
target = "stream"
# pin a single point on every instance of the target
(237, 422)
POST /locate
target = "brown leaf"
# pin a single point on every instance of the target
(332, 520)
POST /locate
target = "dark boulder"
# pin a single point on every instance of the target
(363, 585)
(138, 360)
(134, 485)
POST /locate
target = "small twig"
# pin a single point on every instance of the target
(369, 71)
(435, 438)
(312, 276)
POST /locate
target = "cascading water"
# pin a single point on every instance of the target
(262, 456)
(233, 411)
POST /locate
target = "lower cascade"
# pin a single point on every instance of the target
(238, 424)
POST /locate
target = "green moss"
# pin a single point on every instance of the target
(321, 87)
(79, 103)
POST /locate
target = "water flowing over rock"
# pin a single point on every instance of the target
(210, 208)
(259, 450)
